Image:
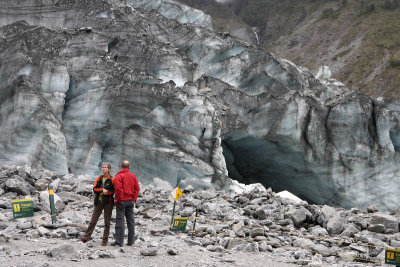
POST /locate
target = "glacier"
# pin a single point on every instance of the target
(86, 82)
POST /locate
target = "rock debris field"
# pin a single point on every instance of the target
(255, 227)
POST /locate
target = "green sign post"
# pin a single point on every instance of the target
(392, 256)
(22, 208)
(179, 224)
(52, 206)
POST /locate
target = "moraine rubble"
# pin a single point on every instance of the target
(255, 224)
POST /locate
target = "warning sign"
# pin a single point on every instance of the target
(22, 208)
(392, 256)
(179, 224)
(176, 193)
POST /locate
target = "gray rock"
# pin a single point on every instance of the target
(24, 224)
(247, 247)
(318, 231)
(264, 247)
(65, 251)
(257, 232)
(361, 249)
(335, 225)
(215, 248)
(359, 222)
(187, 212)
(110, 255)
(262, 213)
(206, 242)
(233, 242)
(274, 242)
(55, 184)
(323, 250)
(172, 251)
(260, 238)
(151, 213)
(372, 209)
(389, 221)
(298, 216)
(73, 232)
(395, 243)
(44, 198)
(4, 237)
(161, 184)
(350, 230)
(252, 247)
(326, 214)
(150, 251)
(376, 228)
(348, 256)
(18, 185)
(75, 217)
(211, 209)
(43, 231)
(303, 243)
(94, 256)
(41, 184)
(284, 222)
(188, 189)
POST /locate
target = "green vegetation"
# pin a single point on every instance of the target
(395, 60)
(366, 32)
(330, 13)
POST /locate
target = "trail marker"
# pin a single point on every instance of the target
(176, 193)
(52, 206)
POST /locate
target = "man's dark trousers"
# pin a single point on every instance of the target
(124, 209)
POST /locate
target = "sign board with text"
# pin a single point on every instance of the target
(22, 208)
(392, 256)
(179, 224)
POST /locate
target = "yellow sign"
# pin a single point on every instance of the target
(176, 193)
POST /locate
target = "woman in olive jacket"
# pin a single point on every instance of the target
(103, 188)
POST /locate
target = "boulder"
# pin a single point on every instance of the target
(376, 228)
(350, 230)
(298, 216)
(335, 225)
(372, 209)
(65, 251)
(44, 198)
(149, 251)
(19, 185)
(390, 222)
(187, 212)
(172, 251)
(257, 232)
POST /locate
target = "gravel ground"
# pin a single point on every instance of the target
(35, 255)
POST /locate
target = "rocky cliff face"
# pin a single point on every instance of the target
(85, 82)
(358, 40)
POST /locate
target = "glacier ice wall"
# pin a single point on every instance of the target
(85, 82)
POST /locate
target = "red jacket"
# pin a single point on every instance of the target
(126, 186)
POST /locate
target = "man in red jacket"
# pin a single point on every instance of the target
(126, 192)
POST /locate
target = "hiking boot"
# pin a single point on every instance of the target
(116, 244)
(83, 240)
